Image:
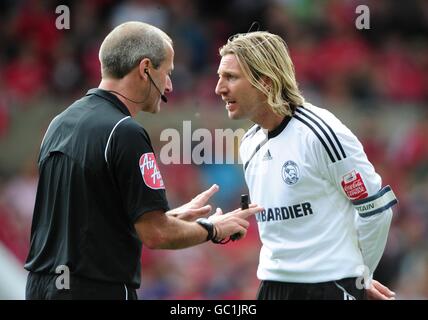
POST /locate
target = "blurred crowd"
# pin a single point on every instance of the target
(377, 71)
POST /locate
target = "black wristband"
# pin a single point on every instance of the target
(208, 225)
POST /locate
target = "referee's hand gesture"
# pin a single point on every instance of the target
(197, 207)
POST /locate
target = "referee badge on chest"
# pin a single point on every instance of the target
(290, 172)
(150, 171)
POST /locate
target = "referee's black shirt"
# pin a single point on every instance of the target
(92, 188)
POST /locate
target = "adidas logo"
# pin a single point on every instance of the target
(267, 156)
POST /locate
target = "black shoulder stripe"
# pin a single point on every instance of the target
(317, 134)
(254, 153)
(323, 131)
(330, 129)
(251, 132)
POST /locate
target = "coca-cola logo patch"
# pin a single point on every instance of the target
(150, 171)
(353, 185)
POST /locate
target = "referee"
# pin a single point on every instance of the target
(327, 216)
(101, 195)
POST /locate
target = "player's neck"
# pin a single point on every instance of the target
(269, 121)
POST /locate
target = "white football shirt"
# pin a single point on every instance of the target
(326, 215)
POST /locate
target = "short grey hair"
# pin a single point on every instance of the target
(127, 44)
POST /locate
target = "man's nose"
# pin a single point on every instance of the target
(220, 87)
(168, 87)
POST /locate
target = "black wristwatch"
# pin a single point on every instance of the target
(208, 225)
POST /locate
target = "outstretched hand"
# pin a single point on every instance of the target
(196, 208)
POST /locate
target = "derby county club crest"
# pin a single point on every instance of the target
(290, 172)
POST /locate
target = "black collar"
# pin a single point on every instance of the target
(110, 97)
(280, 128)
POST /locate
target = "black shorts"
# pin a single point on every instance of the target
(45, 287)
(344, 289)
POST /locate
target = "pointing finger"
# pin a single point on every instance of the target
(204, 196)
(253, 205)
(244, 214)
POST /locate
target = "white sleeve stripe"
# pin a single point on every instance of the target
(126, 292)
(381, 201)
(109, 137)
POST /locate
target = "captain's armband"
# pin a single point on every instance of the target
(376, 203)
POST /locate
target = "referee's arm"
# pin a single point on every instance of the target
(158, 230)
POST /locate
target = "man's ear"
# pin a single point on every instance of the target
(144, 67)
(267, 82)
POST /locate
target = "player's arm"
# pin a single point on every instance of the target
(357, 180)
(373, 225)
(372, 204)
(341, 160)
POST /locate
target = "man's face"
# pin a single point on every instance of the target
(162, 79)
(243, 100)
